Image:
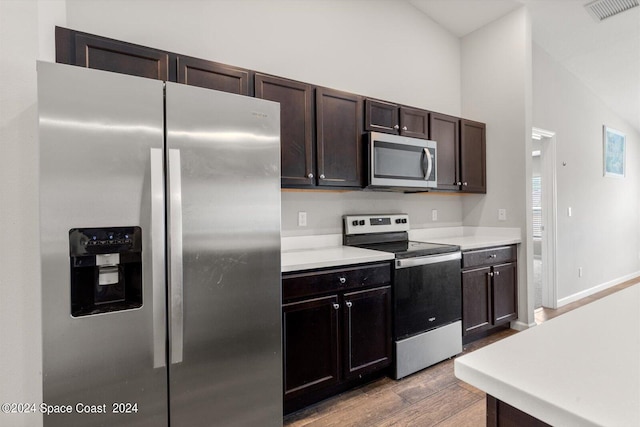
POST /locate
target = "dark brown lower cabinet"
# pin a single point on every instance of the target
(366, 330)
(500, 414)
(489, 288)
(310, 342)
(337, 336)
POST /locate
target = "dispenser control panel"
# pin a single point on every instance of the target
(83, 241)
(106, 269)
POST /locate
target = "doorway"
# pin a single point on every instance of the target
(544, 217)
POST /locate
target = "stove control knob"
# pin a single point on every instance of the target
(404, 220)
(354, 222)
(361, 222)
(398, 220)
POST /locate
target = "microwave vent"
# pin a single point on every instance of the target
(603, 9)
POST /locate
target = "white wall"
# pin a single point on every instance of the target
(603, 232)
(496, 90)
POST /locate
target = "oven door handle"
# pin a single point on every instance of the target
(426, 260)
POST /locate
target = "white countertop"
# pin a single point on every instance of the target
(319, 251)
(468, 237)
(579, 369)
(306, 259)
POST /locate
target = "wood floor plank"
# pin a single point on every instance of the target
(367, 410)
(434, 409)
(474, 415)
(426, 382)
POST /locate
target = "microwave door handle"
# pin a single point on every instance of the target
(427, 155)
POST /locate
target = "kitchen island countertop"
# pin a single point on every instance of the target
(579, 369)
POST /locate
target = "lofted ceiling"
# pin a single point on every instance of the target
(565, 30)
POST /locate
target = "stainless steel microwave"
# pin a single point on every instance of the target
(401, 163)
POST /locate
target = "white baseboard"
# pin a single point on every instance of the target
(596, 289)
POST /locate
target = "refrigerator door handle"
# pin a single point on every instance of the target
(157, 257)
(175, 256)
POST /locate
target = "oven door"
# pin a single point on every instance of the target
(427, 293)
(399, 161)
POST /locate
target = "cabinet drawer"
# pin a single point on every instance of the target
(490, 256)
(296, 285)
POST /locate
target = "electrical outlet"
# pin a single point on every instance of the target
(434, 214)
(302, 219)
(502, 214)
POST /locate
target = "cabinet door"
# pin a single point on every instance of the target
(473, 156)
(87, 50)
(296, 127)
(505, 293)
(476, 300)
(367, 330)
(381, 117)
(444, 130)
(339, 138)
(212, 75)
(414, 122)
(310, 345)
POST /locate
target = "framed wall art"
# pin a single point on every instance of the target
(614, 143)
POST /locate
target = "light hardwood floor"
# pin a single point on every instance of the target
(432, 397)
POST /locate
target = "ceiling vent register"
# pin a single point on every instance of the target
(603, 9)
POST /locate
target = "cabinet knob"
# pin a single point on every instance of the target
(343, 280)
(404, 128)
(497, 273)
(349, 304)
(336, 305)
(310, 176)
(490, 274)
(458, 183)
(321, 176)
(465, 184)
(396, 127)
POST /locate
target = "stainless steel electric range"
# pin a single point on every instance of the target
(427, 293)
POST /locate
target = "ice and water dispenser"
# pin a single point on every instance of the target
(106, 269)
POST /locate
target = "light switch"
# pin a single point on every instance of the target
(502, 214)
(434, 214)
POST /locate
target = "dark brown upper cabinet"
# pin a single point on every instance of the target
(321, 129)
(87, 50)
(339, 138)
(414, 122)
(296, 127)
(473, 162)
(445, 130)
(395, 119)
(213, 75)
(461, 153)
(381, 116)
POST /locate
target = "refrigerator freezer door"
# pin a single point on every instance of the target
(227, 370)
(98, 133)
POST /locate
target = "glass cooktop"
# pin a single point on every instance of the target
(409, 249)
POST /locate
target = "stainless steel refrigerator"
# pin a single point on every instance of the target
(160, 253)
